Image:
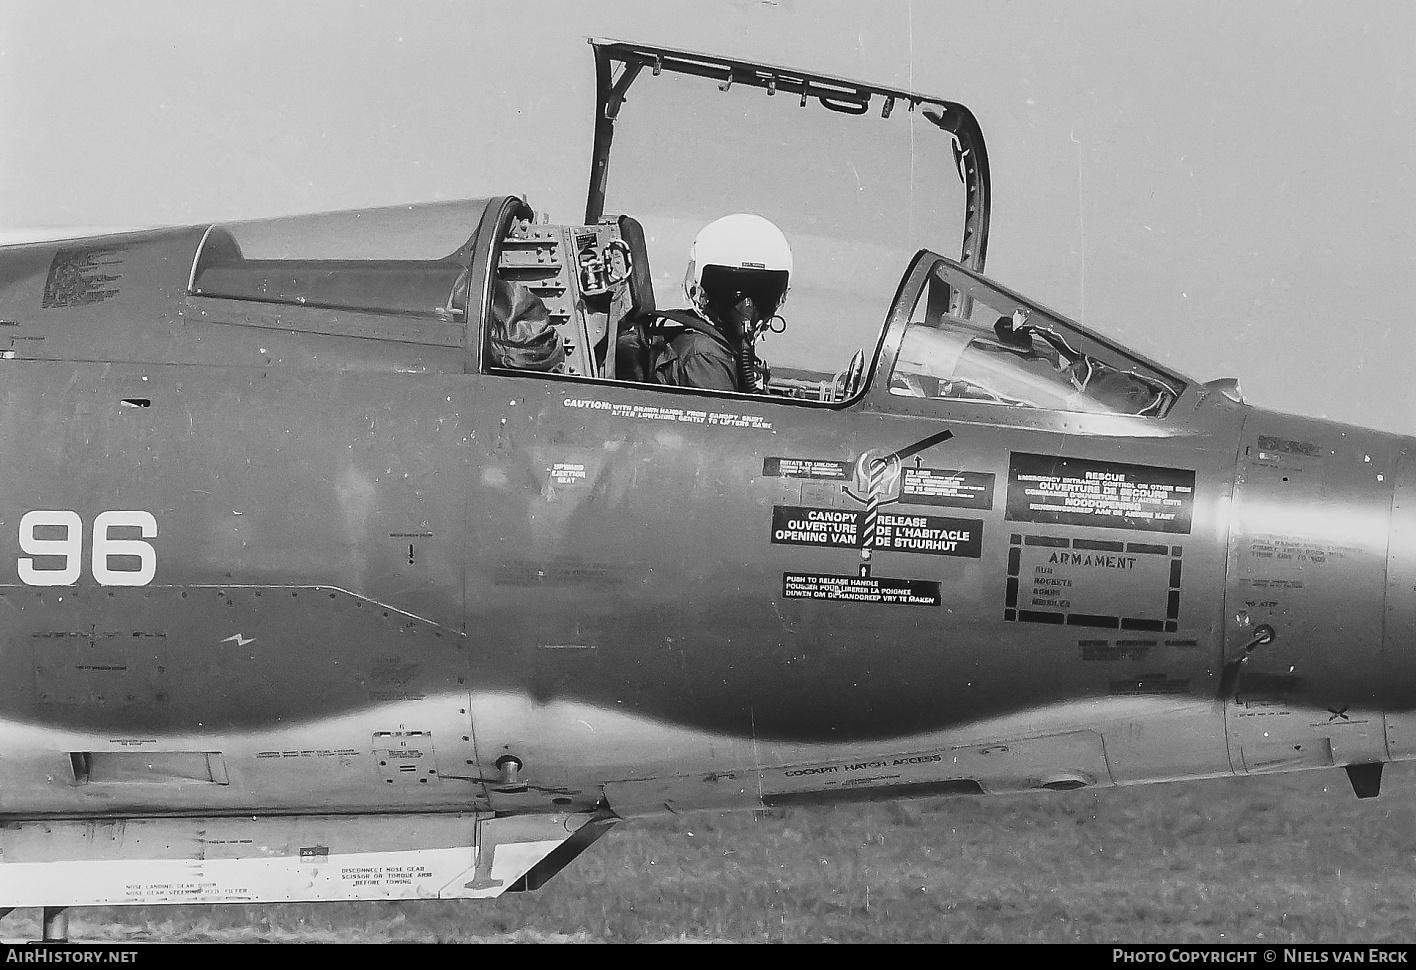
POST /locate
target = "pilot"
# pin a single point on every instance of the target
(739, 270)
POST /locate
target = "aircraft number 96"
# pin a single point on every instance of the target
(70, 548)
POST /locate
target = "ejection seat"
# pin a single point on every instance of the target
(591, 279)
(633, 304)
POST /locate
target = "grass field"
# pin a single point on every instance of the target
(1293, 858)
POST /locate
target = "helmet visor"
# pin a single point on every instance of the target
(725, 286)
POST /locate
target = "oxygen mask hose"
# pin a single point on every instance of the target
(741, 319)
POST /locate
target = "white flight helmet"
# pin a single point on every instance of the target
(743, 249)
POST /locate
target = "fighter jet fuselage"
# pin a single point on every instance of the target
(288, 559)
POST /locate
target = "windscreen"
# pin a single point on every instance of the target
(856, 196)
(966, 341)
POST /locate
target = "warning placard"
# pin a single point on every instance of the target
(567, 473)
(821, 469)
(1078, 491)
(938, 486)
(860, 589)
(1094, 582)
(794, 525)
(935, 535)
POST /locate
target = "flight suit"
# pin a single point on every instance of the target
(694, 359)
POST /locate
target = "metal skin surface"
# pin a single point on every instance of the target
(1317, 550)
(406, 625)
(357, 543)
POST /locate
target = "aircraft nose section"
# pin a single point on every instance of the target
(1398, 693)
(1319, 557)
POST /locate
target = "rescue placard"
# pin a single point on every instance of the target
(934, 535)
(1113, 495)
(860, 589)
(938, 486)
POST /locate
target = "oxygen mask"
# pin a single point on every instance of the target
(742, 301)
(740, 316)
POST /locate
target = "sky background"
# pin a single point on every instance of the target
(1226, 187)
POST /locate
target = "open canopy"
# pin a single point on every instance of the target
(619, 65)
(858, 176)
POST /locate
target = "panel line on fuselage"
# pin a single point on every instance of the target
(295, 586)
